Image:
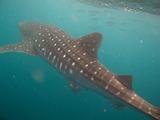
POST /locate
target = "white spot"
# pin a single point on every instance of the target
(43, 49)
(70, 71)
(86, 65)
(64, 56)
(59, 40)
(78, 58)
(113, 77)
(69, 50)
(106, 87)
(129, 101)
(149, 112)
(63, 44)
(43, 40)
(49, 34)
(135, 95)
(63, 36)
(95, 72)
(39, 33)
(58, 49)
(52, 39)
(118, 93)
(56, 37)
(68, 40)
(93, 49)
(122, 88)
(92, 78)
(91, 62)
(100, 68)
(39, 45)
(74, 46)
(132, 98)
(73, 64)
(55, 44)
(50, 53)
(81, 71)
(84, 53)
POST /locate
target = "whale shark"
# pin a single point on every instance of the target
(77, 60)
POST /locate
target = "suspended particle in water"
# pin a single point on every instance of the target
(104, 110)
(75, 18)
(38, 75)
(13, 76)
(141, 41)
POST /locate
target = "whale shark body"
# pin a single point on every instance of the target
(77, 60)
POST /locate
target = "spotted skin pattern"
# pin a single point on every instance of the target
(78, 59)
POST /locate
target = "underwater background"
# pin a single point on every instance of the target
(30, 89)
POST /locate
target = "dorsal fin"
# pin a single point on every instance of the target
(90, 43)
(126, 80)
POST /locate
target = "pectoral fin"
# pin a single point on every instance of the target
(73, 85)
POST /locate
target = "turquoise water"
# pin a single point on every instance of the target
(30, 89)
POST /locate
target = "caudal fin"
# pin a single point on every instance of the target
(25, 47)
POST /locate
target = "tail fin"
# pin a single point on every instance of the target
(25, 46)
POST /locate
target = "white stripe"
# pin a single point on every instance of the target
(60, 66)
(53, 59)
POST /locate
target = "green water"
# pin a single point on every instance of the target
(30, 89)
